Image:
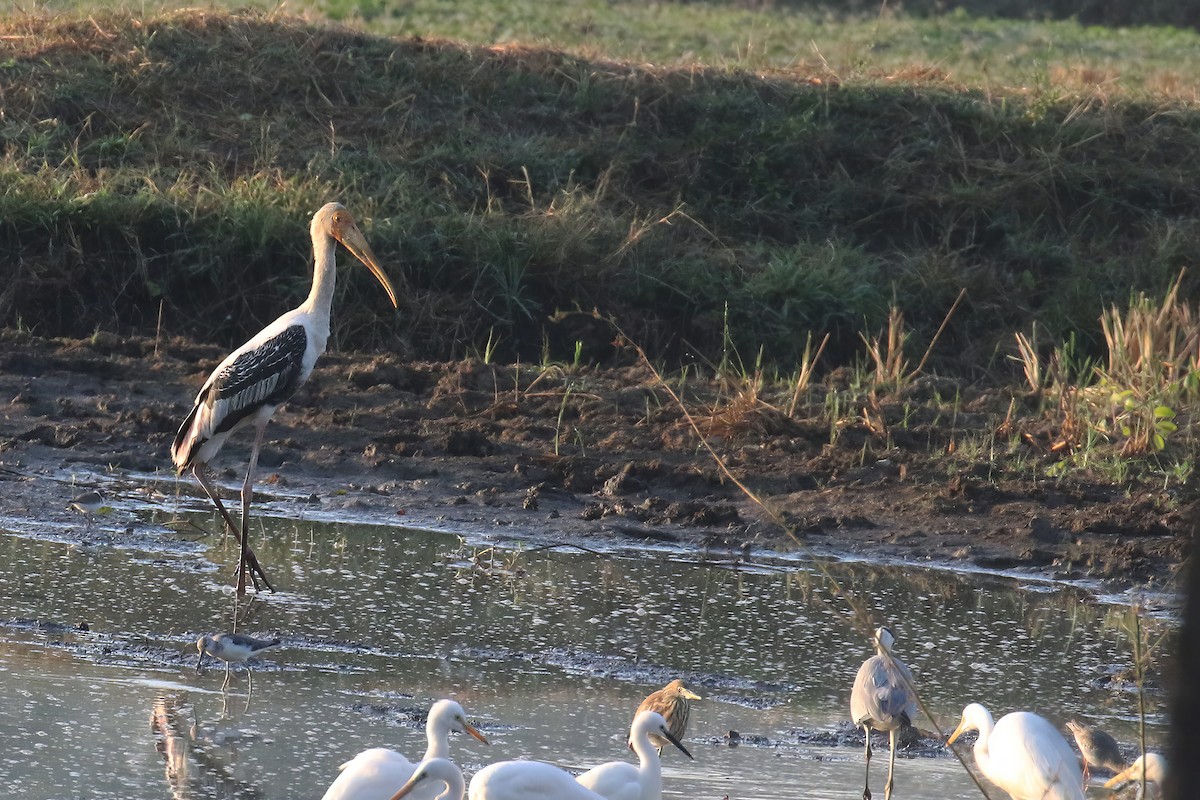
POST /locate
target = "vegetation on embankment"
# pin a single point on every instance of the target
(174, 158)
(158, 172)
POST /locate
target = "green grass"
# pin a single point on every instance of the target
(974, 49)
(173, 158)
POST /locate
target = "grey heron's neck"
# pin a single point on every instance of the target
(320, 297)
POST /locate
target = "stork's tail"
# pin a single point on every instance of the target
(183, 450)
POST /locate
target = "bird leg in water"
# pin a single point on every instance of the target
(247, 496)
(867, 779)
(255, 568)
(887, 789)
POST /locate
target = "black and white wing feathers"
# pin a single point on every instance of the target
(265, 375)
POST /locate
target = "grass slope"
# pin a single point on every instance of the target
(173, 159)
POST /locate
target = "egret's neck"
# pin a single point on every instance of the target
(983, 756)
(649, 766)
(456, 787)
(437, 742)
(320, 298)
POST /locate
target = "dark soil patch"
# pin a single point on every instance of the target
(612, 458)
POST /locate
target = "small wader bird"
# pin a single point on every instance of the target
(265, 372)
(1096, 747)
(230, 647)
(882, 699)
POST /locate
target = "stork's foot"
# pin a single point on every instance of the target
(252, 568)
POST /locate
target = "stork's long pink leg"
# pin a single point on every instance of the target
(255, 567)
(247, 496)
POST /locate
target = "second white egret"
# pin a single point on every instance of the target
(1023, 754)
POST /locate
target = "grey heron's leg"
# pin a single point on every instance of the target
(226, 683)
(260, 428)
(887, 789)
(198, 471)
(867, 778)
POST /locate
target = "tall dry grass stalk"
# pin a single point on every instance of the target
(1153, 369)
(808, 362)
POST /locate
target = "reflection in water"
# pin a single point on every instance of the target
(380, 621)
(199, 761)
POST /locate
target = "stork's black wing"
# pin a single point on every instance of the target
(265, 376)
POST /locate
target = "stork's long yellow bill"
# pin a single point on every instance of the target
(354, 241)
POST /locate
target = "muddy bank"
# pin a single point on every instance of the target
(599, 453)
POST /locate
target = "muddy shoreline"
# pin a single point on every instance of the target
(582, 454)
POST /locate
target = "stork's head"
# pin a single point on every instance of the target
(333, 220)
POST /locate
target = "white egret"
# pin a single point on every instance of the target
(673, 702)
(230, 647)
(1023, 754)
(620, 780)
(882, 700)
(377, 773)
(1152, 765)
(266, 371)
(527, 780)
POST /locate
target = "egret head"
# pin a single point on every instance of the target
(652, 722)
(451, 715)
(334, 220)
(430, 772)
(974, 718)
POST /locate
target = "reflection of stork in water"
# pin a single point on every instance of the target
(195, 766)
(266, 371)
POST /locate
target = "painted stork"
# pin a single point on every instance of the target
(258, 377)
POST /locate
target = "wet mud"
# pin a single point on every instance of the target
(596, 456)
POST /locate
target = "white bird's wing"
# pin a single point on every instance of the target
(265, 371)
(616, 780)
(374, 774)
(1031, 760)
(527, 780)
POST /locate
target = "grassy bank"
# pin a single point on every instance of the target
(159, 171)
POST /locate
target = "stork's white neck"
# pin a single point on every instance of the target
(320, 297)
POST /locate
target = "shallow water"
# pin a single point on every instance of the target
(549, 650)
